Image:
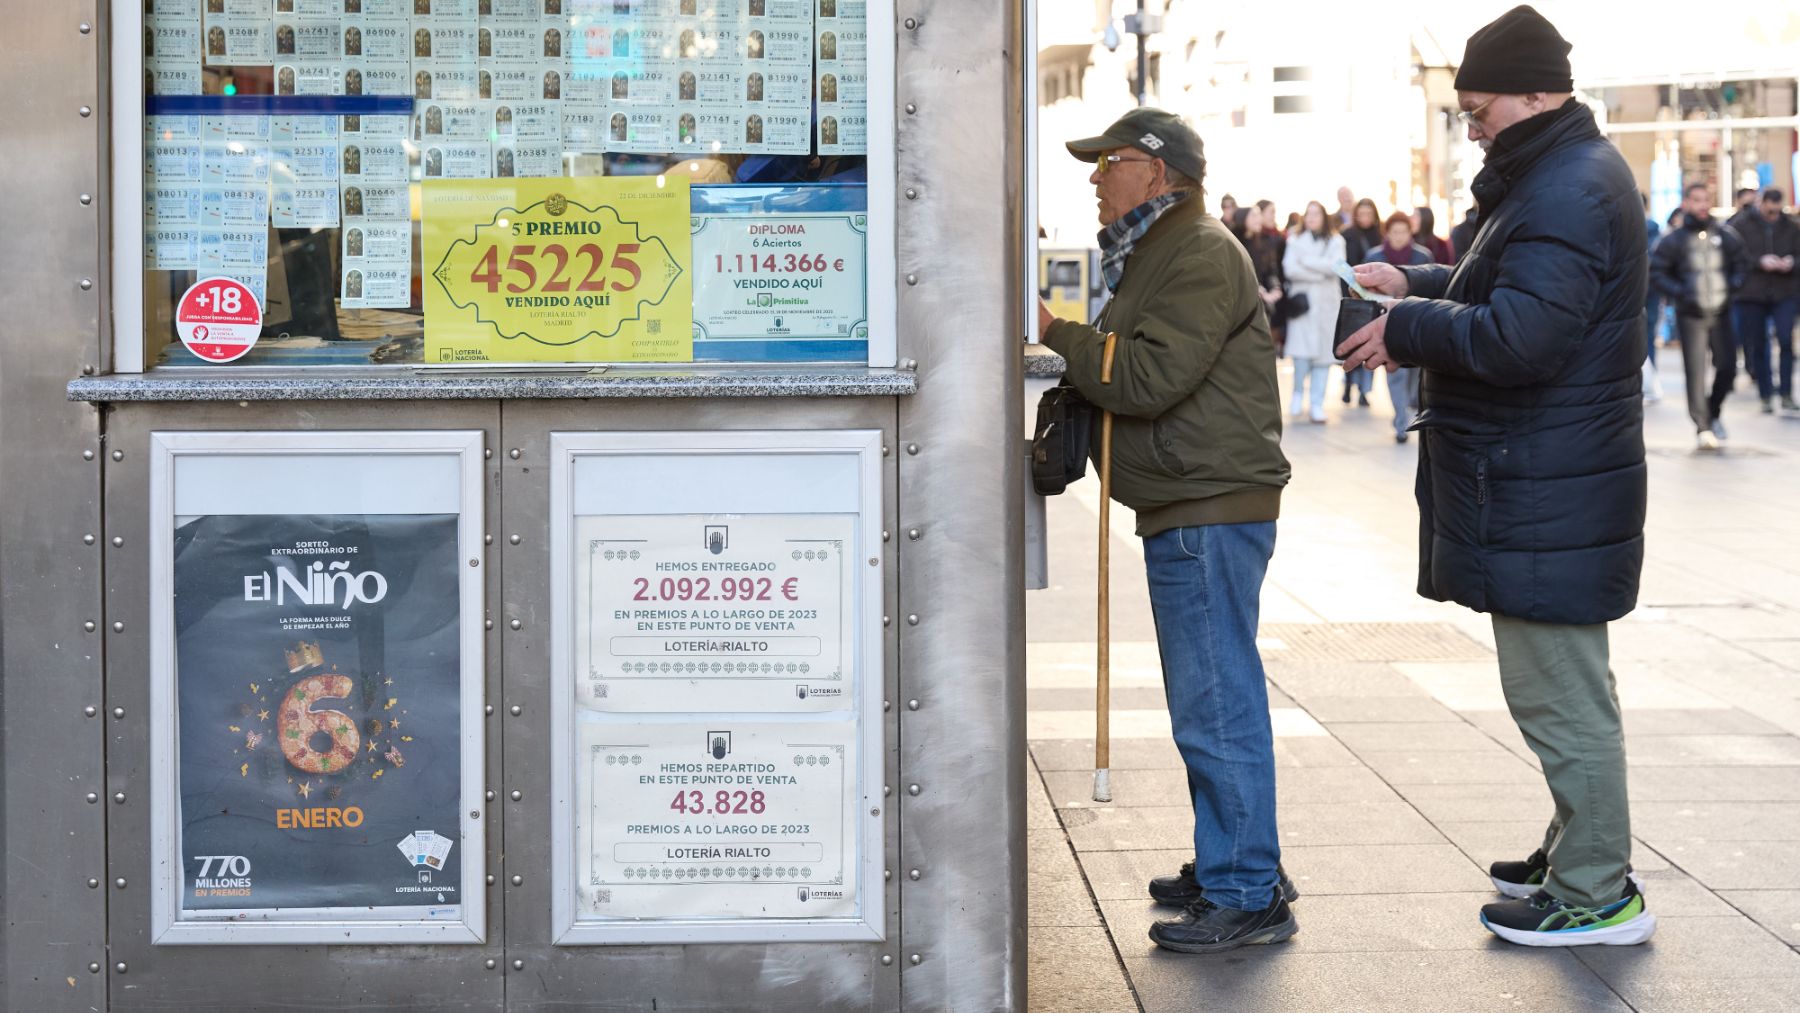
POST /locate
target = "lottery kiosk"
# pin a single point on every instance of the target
(512, 504)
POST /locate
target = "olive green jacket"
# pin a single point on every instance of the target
(1197, 408)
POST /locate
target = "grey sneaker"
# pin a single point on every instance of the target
(1718, 429)
(1768, 406)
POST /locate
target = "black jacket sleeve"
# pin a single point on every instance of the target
(1666, 275)
(1549, 279)
(1737, 258)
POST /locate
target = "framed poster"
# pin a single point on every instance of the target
(316, 672)
(716, 685)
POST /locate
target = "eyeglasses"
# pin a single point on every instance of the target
(1104, 161)
(1472, 117)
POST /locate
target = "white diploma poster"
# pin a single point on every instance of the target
(745, 612)
(781, 276)
(715, 819)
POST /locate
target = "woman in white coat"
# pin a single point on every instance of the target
(1313, 254)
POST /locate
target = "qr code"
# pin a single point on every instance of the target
(603, 896)
(653, 326)
(600, 689)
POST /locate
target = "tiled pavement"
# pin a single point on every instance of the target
(1401, 775)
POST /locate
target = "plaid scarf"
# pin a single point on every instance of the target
(1121, 237)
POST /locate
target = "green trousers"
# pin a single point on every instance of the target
(1560, 690)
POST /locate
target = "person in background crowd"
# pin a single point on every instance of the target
(1235, 222)
(1424, 226)
(1743, 207)
(1401, 251)
(1652, 311)
(1292, 226)
(1197, 456)
(1532, 483)
(1228, 206)
(1771, 294)
(1346, 209)
(1463, 235)
(1272, 223)
(1311, 263)
(1265, 259)
(1697, 267)
(1360, 236)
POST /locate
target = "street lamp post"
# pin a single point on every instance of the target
(1143, 25)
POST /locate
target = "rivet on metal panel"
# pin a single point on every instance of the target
(89, 626)
(119, 967)
(516, 624)
(90, 710)
(474, 814)
(515, 539)
(513, 453)
(886, 535)
(873, 561)
(490, 794)
(887, 874)
(87, 370)
(92, 797)
(86, 198)
(87, 455)
(912, 620)
(517, 795)
(118, 712)
(488, 624)
(474, 562)
(913, 449)
(911, 108)
(85, 28)
(490, 883)
(86, 111)
(909, 364)
(912, 789)
(93, 883)
(118, 455)
(94, 967)
(117, 541)
(912, 279)
(517, 710)
(887, 959)
(886, 790)
(119, 797)
(518, 965)
(120, 882)
(874, 812)
(914, 533)
(85, 284)
(887, 620)
(914, 960)
(912, 23)
(518, 881)
(487, 454)
(887, 705)
(487, 539)
(884, 452)
(914, 875)
(87, 539)
(491, 963)
(490, 710)
(118, 626)
(912, 705)
(912, 194)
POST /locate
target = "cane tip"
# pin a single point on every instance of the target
(1103, 785)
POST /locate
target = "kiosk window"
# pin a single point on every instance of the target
(372, 182)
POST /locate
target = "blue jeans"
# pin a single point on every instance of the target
(1403, 390)
(1205, 590)
(1753, 319)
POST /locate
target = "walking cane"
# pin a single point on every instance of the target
(1103, 660)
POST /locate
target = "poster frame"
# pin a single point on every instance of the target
(566, 450)
(167, 927)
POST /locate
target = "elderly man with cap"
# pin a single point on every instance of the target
(1196, 453)
(1531, 482)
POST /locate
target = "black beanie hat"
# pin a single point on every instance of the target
(1516, 54)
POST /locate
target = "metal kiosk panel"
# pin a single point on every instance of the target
(316, 687)
(716, 734)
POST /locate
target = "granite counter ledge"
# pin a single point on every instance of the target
(1042, 363)
(406, 384)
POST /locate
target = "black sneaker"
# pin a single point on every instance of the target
(1362, 399)
(1542, 920)
(1522, 879)
(1204, 927)
(1180, 890)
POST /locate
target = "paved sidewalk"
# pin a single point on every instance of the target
(1401, 775)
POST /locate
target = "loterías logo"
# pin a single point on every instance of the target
(318, 584)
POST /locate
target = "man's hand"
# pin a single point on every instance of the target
(1382, 279)
(1769, 262)
(1368, 346)
(1045, 318)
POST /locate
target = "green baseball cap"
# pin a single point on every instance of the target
(1154, 132)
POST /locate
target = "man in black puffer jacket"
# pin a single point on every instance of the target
(1531, 482)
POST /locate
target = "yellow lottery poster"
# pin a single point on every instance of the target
(582, 269)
